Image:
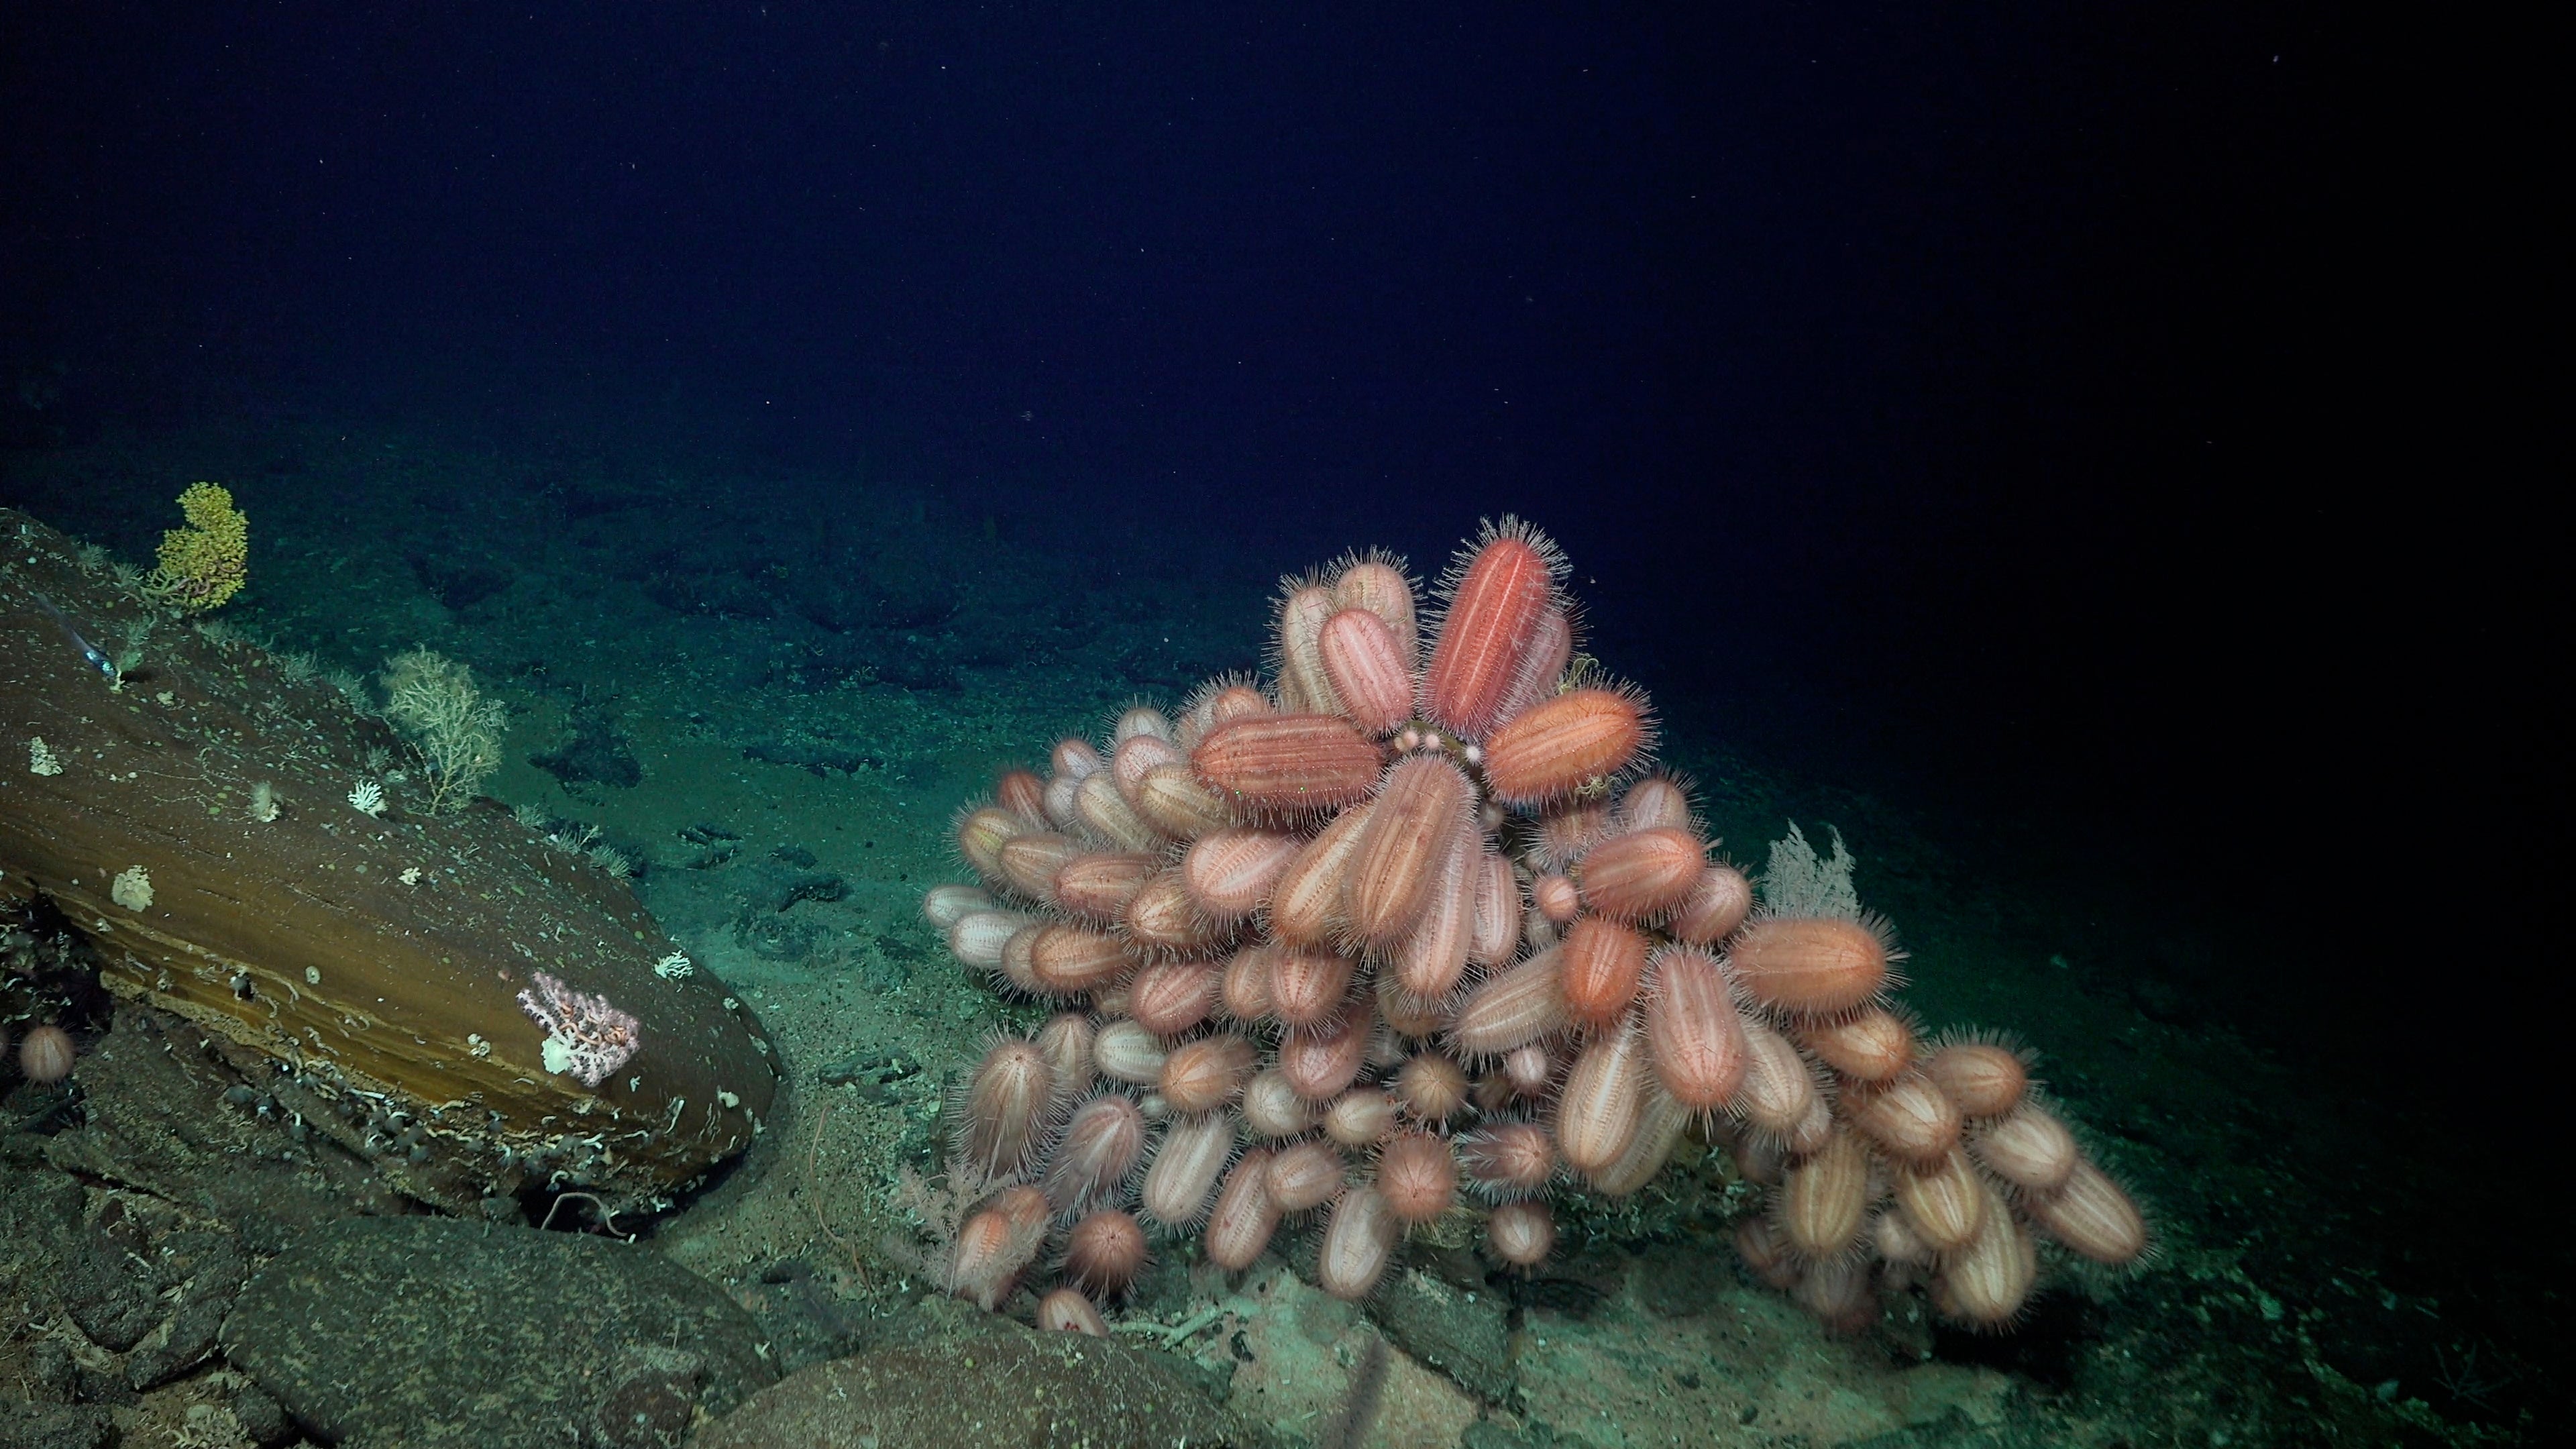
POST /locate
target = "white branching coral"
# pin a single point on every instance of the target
(433, 701)
(367, 798)
(1799, 883)
(973, 1235)
(586, 1037)
(935, 1208)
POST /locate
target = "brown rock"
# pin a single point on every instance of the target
(381, 955)
(1015, 1387)
(437, 1334)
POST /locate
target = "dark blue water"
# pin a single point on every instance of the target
(1977, 400)
(2022, 415)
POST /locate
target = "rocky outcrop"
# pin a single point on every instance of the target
(1004, 1386)
(430, 1332)
(203, 818)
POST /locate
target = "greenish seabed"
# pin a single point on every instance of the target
(772, 694)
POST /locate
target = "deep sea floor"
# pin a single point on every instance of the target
(770, 691)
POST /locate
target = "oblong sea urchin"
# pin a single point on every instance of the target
(1413, 924)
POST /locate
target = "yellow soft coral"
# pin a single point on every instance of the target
(205, 563)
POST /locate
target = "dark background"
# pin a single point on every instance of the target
(2063, 415)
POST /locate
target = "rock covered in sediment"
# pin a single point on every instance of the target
(456, 1335)
(1004, 1386)
(289, 893)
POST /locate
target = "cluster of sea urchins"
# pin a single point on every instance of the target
(1397, 937)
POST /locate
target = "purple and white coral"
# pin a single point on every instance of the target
(584, 1034)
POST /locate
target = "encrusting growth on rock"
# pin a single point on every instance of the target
(1400, 938)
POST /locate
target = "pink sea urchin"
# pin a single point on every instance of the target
(1380, 944)
(46, 1055)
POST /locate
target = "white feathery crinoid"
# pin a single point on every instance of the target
(367, 797)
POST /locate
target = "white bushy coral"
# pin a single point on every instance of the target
(433, 701)
(1798, 882)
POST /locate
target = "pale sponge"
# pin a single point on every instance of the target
(432, 700)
